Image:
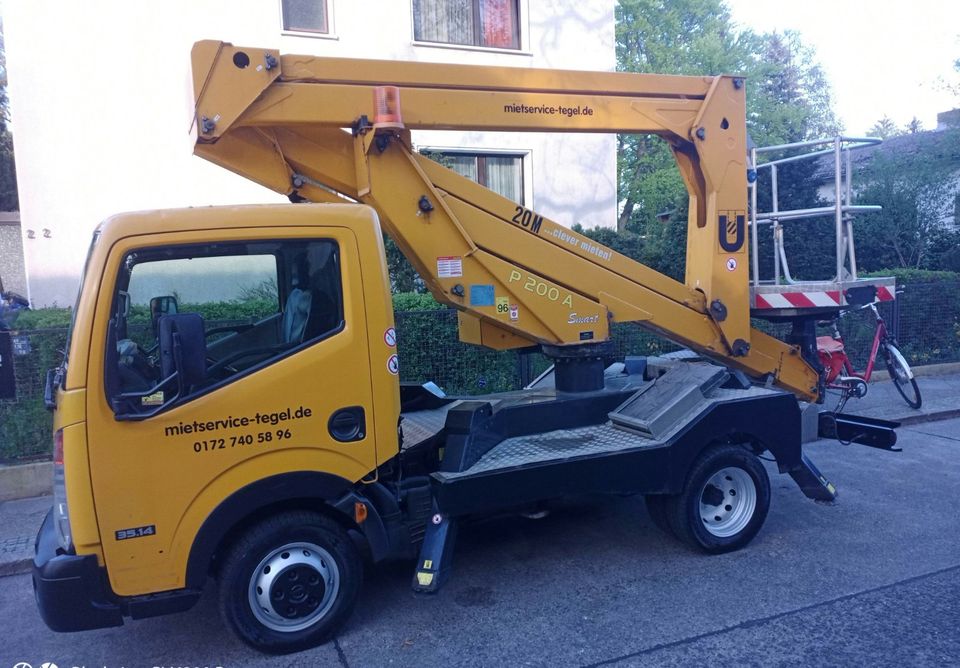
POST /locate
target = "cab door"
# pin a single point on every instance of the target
(285, 383)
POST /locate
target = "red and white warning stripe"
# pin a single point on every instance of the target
(825, 298)
(830, 298)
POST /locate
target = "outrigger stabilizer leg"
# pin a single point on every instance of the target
(812, 483)
(436, 553)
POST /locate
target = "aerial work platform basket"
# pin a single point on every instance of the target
(781, 296)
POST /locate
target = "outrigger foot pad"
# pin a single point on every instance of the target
(436, 554)
(811, 481)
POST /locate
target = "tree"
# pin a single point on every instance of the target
(788, 100)
(885, 128)
(9, 200)
(914, 183)
(788, 96)
(667, 37)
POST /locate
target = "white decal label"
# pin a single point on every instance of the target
(450, 266)
(514, 312)
(731, 264)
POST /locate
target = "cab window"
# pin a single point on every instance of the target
(187, 319)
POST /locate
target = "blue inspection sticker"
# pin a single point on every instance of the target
(481, 295)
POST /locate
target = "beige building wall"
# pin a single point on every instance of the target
(101, 102)
(12, 271)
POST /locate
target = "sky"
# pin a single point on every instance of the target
(882, 57)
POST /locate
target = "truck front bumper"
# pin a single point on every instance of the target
(71, 590)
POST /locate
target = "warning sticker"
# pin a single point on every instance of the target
(731, 264)
(393, 365)
(390, 337)
(514, 312)
(450, 266)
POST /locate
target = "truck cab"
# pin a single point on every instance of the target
(222, 361)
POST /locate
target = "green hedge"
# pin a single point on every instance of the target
(43, 318)
(429, 348)
(25, 424)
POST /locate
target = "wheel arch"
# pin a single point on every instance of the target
(316, 491)
(768, 423)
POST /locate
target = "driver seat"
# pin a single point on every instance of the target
(295, 316)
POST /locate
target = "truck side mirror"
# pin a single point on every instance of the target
(183, 348)
(160, 306)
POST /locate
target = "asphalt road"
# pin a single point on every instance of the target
(872, 580)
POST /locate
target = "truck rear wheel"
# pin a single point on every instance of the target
(290, 582)
(724, 502)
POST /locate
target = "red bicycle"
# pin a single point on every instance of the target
(839, 369)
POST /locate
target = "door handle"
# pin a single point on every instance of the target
(348, 424)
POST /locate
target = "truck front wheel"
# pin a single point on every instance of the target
(724, 501)
(290, 582)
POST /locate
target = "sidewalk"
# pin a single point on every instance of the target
(20, 519)
(940, 395)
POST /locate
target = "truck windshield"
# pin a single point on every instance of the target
(76, 305)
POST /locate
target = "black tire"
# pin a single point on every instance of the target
(900, 374)
(740, 515)
(657, 508)
(312, 571)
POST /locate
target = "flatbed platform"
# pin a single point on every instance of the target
(638, 434)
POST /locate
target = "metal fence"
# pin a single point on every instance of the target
(925, 319)
(24, 421)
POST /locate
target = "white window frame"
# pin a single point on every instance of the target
(523, 25)
(525, 155)
(331, 26)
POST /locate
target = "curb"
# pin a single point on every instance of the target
(17, 567)
(22, 481)
(942, 369)
(929, 417)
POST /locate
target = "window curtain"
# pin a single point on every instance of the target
(498, 22)
(505, 176)
(449, 21)
(464, 165)
(305, 15)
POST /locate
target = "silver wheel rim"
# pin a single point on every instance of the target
(294, 587)
(727, 502)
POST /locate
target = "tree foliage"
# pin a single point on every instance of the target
(885, 128)
(913, 179)
(788, 100)
(9, 200)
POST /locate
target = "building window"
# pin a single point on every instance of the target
(487, 23)
(305, 16)
(500, 172)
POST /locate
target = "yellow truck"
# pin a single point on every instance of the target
(279, 452)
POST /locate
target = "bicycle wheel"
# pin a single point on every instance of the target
(901, 375)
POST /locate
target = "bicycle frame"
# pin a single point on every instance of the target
(879, 336)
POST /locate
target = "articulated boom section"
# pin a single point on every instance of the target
(516, 277)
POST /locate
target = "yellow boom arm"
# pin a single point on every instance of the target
(516, 277)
